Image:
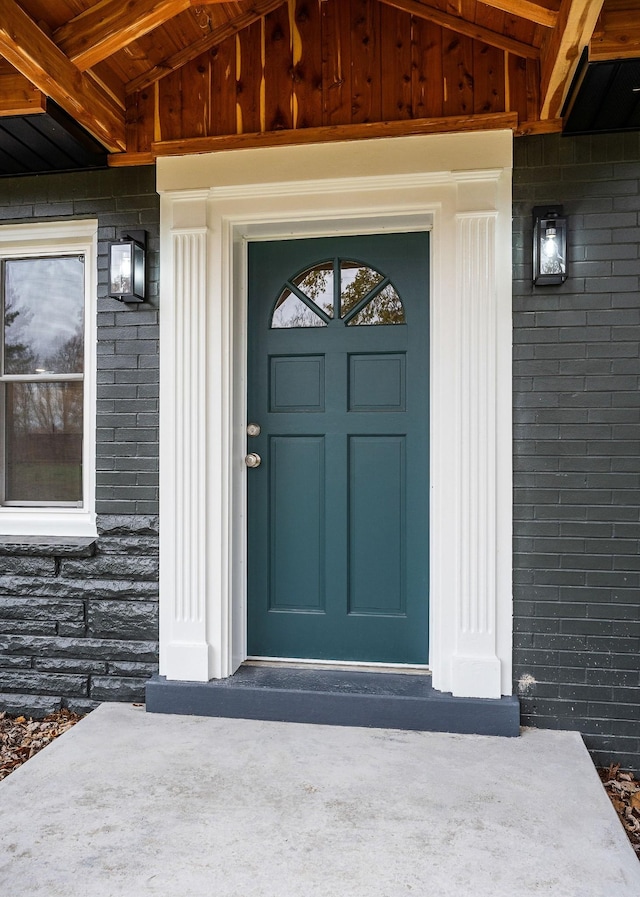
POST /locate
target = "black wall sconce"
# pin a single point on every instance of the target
(127, 267)
(549, 246)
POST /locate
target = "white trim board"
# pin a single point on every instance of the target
(458, 186)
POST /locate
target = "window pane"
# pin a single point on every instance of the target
(317, 284)
(44, 442)
(43, 315)
(356, 281)
(292, 312)
(385, 308)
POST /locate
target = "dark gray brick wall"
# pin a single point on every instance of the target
(76, 630)
(577, 446)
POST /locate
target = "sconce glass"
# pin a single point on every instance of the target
(549, 246)
(127, 268)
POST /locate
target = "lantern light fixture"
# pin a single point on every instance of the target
(127, 267)
(549, 246)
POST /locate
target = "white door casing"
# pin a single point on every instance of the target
(458, 186)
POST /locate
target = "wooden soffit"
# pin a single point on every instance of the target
(162, 76)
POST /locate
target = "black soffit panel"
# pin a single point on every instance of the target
(47, 142)
(604, 97)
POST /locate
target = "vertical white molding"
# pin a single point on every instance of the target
(188, 434)
(444, 436)
(476, 668)
(184, 461)
(237, 478)
(504, 433)
(224, 461)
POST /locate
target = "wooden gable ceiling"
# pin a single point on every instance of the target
(153, 77)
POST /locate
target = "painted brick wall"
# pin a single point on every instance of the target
(577, 446)
(78, 629)
(78, 625)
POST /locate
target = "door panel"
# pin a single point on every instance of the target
(377, 382)
(297, 523)
(338, 509)
(296, 383)
(377, 524)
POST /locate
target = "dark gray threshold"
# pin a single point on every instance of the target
(337, 698)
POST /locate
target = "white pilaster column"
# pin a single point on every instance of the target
(185, 648)
(476, 669)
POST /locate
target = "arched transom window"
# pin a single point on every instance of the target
(341, 290)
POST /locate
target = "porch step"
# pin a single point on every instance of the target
(336, 698)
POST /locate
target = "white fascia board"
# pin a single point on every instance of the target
(305, 164)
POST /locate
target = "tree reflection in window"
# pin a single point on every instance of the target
(41, 378)
(290, 311)
(356, 281)
(44, 316)
(385, 308)
(317, 284)
(366, 297)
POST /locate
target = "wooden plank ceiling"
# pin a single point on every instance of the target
(155, 77)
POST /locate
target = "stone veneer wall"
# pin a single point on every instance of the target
(577, 446)
(79, 619)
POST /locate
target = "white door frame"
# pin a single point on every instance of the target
(459, 188)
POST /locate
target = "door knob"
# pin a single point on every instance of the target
(253, 429)
(252, 460)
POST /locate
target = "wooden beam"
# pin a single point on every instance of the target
(561, 51)
(36, 56)
(124, 160)
(550, 126)
(110, 25)
(18, 96)
(334, 133)
(258, 9)
(525, 9)
(107, 80)
(618, 33)
(96, 33)
(602, 51)
(462, 26)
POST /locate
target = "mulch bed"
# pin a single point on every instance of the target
(21, 738)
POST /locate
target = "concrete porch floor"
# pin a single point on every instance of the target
(129, 803)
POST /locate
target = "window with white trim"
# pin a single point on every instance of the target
(47, 380)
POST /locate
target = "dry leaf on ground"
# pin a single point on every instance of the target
(21, 738)
(624, 790)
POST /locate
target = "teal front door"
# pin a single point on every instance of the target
(338, 511)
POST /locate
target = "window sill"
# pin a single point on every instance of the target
(43, 524)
